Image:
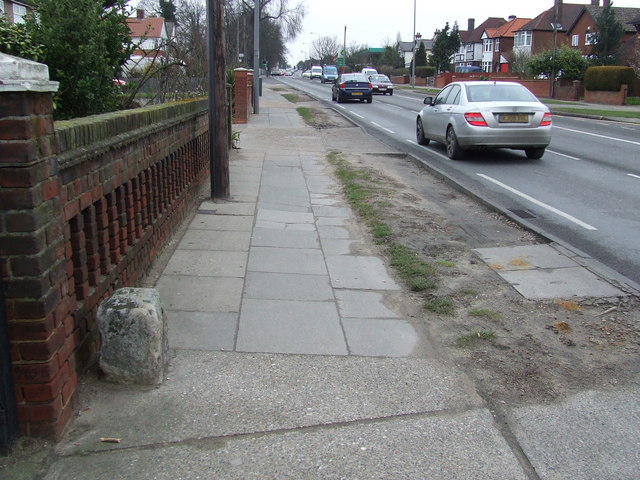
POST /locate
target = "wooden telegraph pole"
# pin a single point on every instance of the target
(218, 126)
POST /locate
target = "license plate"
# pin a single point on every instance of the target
(356, 93)
(514, 118)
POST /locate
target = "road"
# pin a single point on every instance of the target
(584, 192)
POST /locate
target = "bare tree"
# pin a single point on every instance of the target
(325, 49)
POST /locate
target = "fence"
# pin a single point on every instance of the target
(85, 206)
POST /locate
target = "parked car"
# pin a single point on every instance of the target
(329, 74)
(352, 86)
(316, 72)
(369, 71)
(478, 115)
(306, 74)
(467, 68)
(381, 84)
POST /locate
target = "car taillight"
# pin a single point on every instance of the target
(370, 86)
(343, 85)
(476, 119)
(546, 120)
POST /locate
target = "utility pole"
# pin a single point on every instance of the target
(413, 61)
(256, 56)
(218, 126)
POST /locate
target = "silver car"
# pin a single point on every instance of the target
(477, 115)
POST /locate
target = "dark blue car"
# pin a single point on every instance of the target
(352, 86)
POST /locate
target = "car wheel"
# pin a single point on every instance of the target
(369, 100)
(534, 153)
(339, 99)
(420, 133)
(454, 151)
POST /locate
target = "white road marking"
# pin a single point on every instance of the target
(633, 175)
(598, 135)
(381, 127)
(563, 155)
(354, 113)
(539, 203)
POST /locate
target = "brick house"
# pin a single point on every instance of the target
(15, 10)
(472, 44)
(498, 45)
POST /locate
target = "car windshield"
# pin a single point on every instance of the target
(379, 78)
(355, 77)
(330, 70)
(494, 92)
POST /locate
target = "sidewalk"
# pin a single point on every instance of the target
(291, 361)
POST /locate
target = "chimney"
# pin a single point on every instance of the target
(557, 13)
(512, 18)
(139, 13)
(471, 24)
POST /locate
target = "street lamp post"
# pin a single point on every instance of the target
(413, 60)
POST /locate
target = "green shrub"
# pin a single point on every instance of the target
(424, 72)
(608, 78)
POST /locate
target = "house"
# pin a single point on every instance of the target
(472, 44)
(497, 45)
(151, 36)
(15, 10)
(581, 34)
(406, 49)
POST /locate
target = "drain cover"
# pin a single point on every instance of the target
(522, 213)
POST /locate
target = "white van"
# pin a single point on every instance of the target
(316, 72)
(369, 71)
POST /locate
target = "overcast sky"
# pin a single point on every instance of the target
(372, 22)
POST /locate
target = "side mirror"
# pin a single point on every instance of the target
(428, 101)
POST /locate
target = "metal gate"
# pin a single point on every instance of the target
(8, 415)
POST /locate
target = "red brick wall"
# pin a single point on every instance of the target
(243, 95)
(84, 209)
(606, 98)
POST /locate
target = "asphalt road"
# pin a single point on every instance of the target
(584, 192)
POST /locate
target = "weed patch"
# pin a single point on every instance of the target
(307, 114)
(442, 306)
(475, 338)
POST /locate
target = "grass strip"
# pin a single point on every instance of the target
(361, 190)
(475, 338)
(307, 114)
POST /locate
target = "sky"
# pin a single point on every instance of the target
(372, 22)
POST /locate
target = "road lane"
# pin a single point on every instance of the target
(589, 173)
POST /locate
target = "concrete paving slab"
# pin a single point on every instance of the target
(227, 393)
(334, 231)
(559, 283)
(524, 257)
(592, 435)
(201, 294)
(219, 240)
(228, 208)
(306, 227)
(378, 337)
(287, 260)
(280, 216)
(359, 272)
(443, 447)
(202, 330)
(363, 304)
(222, 222)
(332, 211)
(207, 263)
(301, 206)
(287, 326)
(281, 236)
(334, 246)
(286, 286)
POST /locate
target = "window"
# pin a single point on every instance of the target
(497, 49)
(486, 67)
(440, 99)
(454, 96)
(1, 7)
(488, 45)
(590, 39)
(19, 12)
(575, 40)
(523, 39)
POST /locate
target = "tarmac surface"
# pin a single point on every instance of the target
(289, 362)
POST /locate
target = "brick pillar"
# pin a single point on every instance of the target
(243, 95)
(33, 255)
